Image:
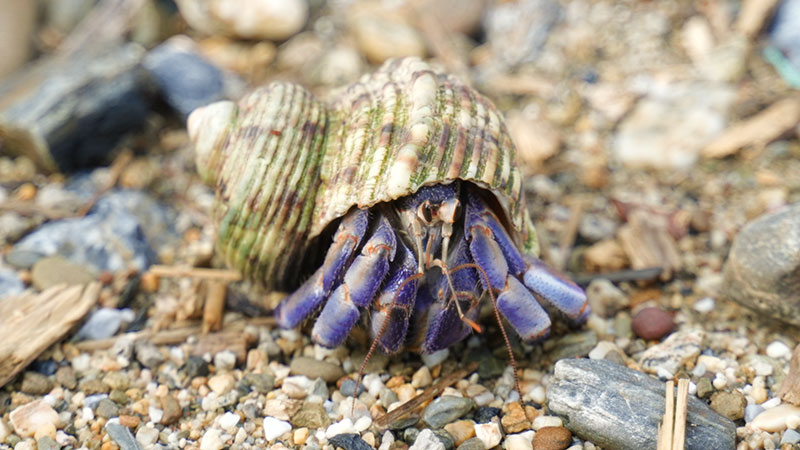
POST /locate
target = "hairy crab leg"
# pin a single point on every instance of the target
(302, 302)
(393, 307)
(551, 286)
(361, 283)
(515, 302)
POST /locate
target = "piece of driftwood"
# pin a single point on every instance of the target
(70, 111)
(30, 323)
(790, 388)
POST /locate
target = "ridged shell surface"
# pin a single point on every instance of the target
(286, 165)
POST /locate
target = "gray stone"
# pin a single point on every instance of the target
(22, 259)
(427, 440)
(446, 409)
(124, 224)
(313, 368)
(107, 409)
(751, 411)
(122, 436)
(763, 267)
(729, 404)
(47, 443)
(148, 354)
(104, 323)
(573, 345)
(261, 382)
(790, 436)
(36, 384)
(349, 441)
(617, 407)
(472, 444)
(311, 415)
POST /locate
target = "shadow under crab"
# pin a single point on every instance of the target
(418, 267)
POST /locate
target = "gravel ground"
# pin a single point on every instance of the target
(619, 110)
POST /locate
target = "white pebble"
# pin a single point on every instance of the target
(771, 403)
(719, 381)
(343, 426)
(422, 377)
(762, 368)
(228, 420)
(777, 349)
(711, 363)
(386, 441)
(147, 435)
(484, 398)
(705, 305)
(546, 421)
(518, 442)
(692, 388)
(362, 424)
(373, 384)
(224, 361)
(155, 414)
(538, 394)
(775, 419)
(211, 440)
(488, 433)
(275, 428)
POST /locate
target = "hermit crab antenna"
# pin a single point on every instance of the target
(499, 319)
(377, 338)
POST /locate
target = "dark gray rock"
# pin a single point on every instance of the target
(472, 444)
(763, 267)
(196, 366)
(484, 414)
(349, 441)
(122, 436)
(117, 234)
(446, 409)
(617, 407)
(186, 79)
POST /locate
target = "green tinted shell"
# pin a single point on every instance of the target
(286, 165)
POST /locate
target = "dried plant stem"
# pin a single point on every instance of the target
(672, 432)
(195, 272)
(681, 411)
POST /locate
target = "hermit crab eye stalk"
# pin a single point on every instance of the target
(426, 213)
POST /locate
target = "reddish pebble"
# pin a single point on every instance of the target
(105, 277)
(652, 323)
(552, 438)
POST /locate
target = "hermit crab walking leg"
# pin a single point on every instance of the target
(393, 307)
(308, 297)
(361, 283)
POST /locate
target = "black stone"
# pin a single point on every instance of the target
(484, 414)
(349, 441)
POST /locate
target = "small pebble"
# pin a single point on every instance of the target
(485, 413)
(221, 384)
(488, 433)
(446, 409)
(435, 358)
(790, 437)
(107, 409)
(518, 442)
(461, 430)
(546, 421)
(427, 440)
(196, 366)
(515, 420)
(421, 378)
(122, 436)
(274, 428)
(312, 368)
(300, 435)
(552, 438)
(172, 411)
(311, 415)
(652, 323)
(751, 411)
(343, 426)
(28, 418)
(777, 349)
(705, 305)
(349, 441)
(472, 444)
(774, 419)
(729, 404)
(224, 361)
(36, 384)
(604, 298)
(146, 435)
(704, 387)
(211, 440)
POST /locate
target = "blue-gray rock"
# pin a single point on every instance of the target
(10, 283)
(484, 414)
(122, 436)
(751, 411)
(22, 259)
(790, 436)
(104, 323)
(69, 113)
(115, 235)
(472, 444)
(186, 79)
(446, 409)
(349, 441)
(763, 267)
(617, 407)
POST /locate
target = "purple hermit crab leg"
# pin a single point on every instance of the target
(556, 289)
(361, 282)
(301, 303)
(395, 303)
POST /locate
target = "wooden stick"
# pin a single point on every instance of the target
(665, 437)
(681, 411)
(432, 391)
(214, 307)
(195, 272)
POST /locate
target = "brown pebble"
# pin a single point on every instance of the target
(105, 277)
(652, 323)
(129, 421)
(515, 420)
(552, 438)
(149, 282)
(172, 410)
(729, 404)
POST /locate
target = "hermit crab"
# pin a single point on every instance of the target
(408, 177)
